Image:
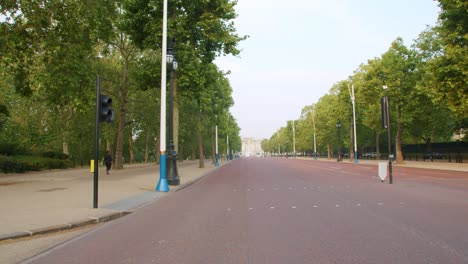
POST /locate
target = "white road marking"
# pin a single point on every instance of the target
(380, 203)
(293, 207)
(315, 206)
(358, 204)
(272, 207)
(262, 189)
(250, 208)
(229, 209)
(337, 205)
(290, 188)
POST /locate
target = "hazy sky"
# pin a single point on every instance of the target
(298, 49)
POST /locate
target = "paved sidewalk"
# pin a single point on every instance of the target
(436, 165)
(45, 202)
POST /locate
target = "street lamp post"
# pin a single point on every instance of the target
(162, 183)
(171, 173)
(386, 124)
(351, 93)
(216, 143)
(315, 141)
(338, 126)
(229, 156)
(294, 140)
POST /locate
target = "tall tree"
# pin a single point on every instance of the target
(451, 69)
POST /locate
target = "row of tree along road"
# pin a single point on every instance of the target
(426, 84)
(52, 51)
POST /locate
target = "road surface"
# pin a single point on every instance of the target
(290, 211)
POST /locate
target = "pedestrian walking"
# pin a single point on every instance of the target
(108, 161)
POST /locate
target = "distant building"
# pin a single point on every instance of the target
(251, 147)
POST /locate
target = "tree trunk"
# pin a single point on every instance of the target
(181, 153)
(200, 143)
(131, 149)
(200, 150)
(65, 148)
(147, 147)
(377, 144)
(157, 152)
(399, 152)
(329, 151)
(175, 115)
(428, 145)
(122, 114)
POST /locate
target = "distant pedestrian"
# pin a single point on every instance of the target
(108, 161)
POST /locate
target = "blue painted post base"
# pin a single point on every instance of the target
(217, 160)
(163, 186)
(355, 157)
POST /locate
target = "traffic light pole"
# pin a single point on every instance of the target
(96, 142)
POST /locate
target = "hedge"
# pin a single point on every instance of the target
(20, 164)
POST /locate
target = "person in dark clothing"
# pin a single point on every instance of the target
(108, 161)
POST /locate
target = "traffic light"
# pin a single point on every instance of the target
(106, 112)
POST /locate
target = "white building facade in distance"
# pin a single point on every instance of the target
(251, 147)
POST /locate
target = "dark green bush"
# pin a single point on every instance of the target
(55, 155)
(19, 164)
(8, 148)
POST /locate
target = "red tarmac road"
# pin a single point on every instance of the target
(290, 211)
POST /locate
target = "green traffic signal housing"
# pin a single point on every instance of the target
(106, 112)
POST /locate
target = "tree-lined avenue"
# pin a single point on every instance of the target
(290, 211)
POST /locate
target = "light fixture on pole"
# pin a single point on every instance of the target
(162, 183)
(172, 173)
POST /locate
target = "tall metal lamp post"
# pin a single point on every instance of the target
(313, 121)
(162, 183)
(386, 124)
(216, 139)
(351, 94)
(171, 172)
(228, 156)
(294, 139)
(338, 126)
